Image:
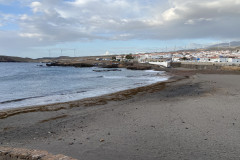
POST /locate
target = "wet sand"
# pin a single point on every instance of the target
(185, 118)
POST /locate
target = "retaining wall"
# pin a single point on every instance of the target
(203, 65)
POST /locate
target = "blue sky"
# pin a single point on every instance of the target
(31, 28)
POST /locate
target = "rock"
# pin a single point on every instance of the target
(101, 140)
(20, 154)
(107, 70)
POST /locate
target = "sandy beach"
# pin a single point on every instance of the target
(188, 117)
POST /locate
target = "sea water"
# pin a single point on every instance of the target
(30, 84)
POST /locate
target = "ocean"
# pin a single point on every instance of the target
(30, 84)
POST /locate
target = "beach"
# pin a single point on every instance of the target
(193, 115)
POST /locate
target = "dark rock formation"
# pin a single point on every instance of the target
(106, 70)
(21, 154)
(70, 64)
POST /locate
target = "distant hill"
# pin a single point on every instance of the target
(226, 45)
(50, 59)
(15, 59)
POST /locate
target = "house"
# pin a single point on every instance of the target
(120, 58)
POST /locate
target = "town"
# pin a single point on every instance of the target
(227, 57)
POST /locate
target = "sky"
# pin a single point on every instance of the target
(42, 28)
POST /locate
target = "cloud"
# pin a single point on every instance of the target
(203, 19)
(104, 19)
(36, 6)
(57, 21)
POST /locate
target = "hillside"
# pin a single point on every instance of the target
(52, 59)
(232, 44)
(15, 59)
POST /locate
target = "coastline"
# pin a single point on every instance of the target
(62, 94)
(96, 100)
(194, 115)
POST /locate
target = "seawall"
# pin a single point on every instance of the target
(206, 65)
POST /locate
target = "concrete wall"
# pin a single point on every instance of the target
(202, 65)
(24, 154)
(165, 64)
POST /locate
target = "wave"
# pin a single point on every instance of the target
(20, 99)
(114, 77)
(36, 97)
(153, 71)
(91, 76)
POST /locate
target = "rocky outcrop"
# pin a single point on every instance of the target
(106, 70)
(138, 66)
(70, 64)
(23, 154)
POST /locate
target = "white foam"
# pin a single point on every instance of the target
(114, 77)
(153, 71)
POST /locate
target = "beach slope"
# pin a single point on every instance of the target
(194, 118)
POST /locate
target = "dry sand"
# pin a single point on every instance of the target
(195, 118)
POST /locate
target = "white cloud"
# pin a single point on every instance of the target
(170, 15)
(56, 21)
(98, 18)
(36, 6)
(30, 35)
(80, 2)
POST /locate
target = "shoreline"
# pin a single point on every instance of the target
(7, 106)
(174, 75)
(90, 101)
(195, 115)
